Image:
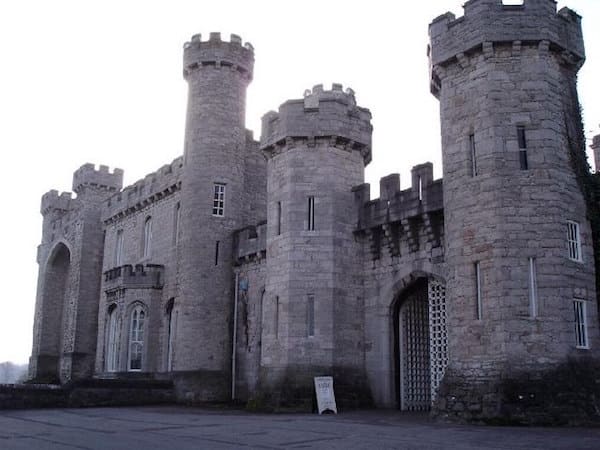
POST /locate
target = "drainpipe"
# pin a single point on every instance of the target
(235, 307)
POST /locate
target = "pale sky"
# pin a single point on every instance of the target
(101, 82)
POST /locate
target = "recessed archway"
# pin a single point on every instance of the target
(419, 341)
(55, 289)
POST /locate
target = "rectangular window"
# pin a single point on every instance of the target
(310, 315)
(574, 241)
(217, 253)
(119, 249)
(533, 299)
(278, 218)
(311, 213)
(478, 295)
(473, 154)
(522, 148)
(581, 339)
(219, 200)
(420, 189)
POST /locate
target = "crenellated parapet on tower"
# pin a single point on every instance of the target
(518, 244)
(317, 148)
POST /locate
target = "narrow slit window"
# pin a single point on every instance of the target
(119, 249)
(533, 294)
(581, 338)
(219, 200)
(478, 293)
(278, 218)
(147, 238)
(311, 213)
(522, 148)
(276, 324)
(310, 315)
(217, 253)
(176, 219)
(420, 189)
(473, 153)
(574, 241)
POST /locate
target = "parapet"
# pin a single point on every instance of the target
(52, 201)
(395, 205)
(490, 21)
(149, 276)
(218, 54)
(88, 175)
(331, 114)
(149, 189)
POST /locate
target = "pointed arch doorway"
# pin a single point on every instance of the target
(420, 342)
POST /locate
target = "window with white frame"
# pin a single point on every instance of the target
(533, 296)
(219, 200)
(119, 248)
(147, 238)
(581, 338)
(574, 241)
(136, 338)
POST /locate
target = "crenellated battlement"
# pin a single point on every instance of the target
(218, 54)
(52, 201)
(88, 176)
(330, 116)
(250, 243)
(149, 189)
(394, 205)
(411, 212)
(140, 276)
(486, 22)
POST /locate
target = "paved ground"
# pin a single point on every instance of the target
(174, 427)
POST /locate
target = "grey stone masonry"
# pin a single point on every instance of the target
(596, 149)
(316, 149)
(518, 245)
(70, 260)
(215, 157)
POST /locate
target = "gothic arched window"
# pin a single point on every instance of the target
(136, 338)
(147, 238)
(112, 340)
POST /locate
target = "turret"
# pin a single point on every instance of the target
(316, 148)
(87, 176)
(212, 202)
(520, 277)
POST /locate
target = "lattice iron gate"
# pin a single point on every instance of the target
(438, 334)
(423, 346)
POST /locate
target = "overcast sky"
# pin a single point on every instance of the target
(101, 82)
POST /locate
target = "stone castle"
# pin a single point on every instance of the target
(243, 269)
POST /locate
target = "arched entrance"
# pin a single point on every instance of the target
(420, 343)
(54, 293)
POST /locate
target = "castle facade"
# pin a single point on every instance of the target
(245, 268)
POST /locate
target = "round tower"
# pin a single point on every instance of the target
(518, 246)
(317, 148)
(218, 74)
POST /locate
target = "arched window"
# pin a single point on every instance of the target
(136, 338)
(176, 223)
(119, 248)
(147, 243)
(112, 342)
(171, 324)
